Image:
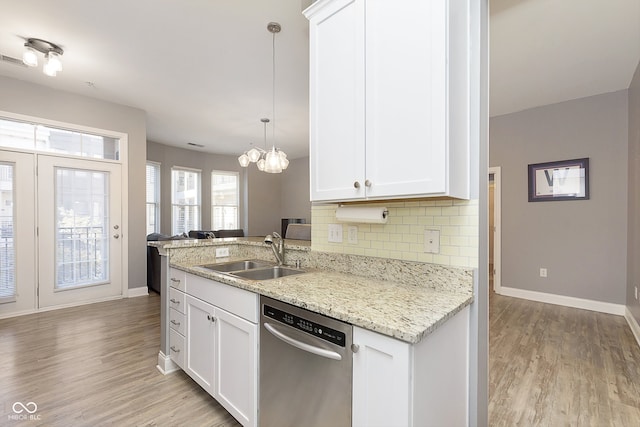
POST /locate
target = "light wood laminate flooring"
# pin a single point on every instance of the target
(95, 365)
(558, 366)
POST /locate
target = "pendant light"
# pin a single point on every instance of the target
(274, 160)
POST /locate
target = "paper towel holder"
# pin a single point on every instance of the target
(362, 214)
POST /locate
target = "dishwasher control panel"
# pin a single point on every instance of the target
(304, 325)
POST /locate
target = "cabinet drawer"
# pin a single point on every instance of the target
(235, 300)
(177, 320)
(176, 347)
(177, 279)
(176, 300)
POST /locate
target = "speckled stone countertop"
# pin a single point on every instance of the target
(408, 310)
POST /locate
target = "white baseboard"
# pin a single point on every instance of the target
(165, 364)
(585, 304)
(141, 291)
(633, 324)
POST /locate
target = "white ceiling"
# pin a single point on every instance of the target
(201, 69)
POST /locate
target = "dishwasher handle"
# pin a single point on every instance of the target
(301, 345)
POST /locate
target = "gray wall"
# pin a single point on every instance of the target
(583, 244)
(265, 198)
(39, 101)
(633, 257)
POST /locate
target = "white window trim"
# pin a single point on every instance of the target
(158, 191)
(237, 175)
(199, 205)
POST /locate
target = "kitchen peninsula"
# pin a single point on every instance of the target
(419, 311)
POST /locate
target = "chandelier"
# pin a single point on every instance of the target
(274, 160)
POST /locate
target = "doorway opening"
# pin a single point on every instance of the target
(494, 229)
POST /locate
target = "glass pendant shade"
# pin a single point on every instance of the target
(260, 165)
(49, 70)
(244, 160)
(29, 57)
(272, 162)
(254, 155)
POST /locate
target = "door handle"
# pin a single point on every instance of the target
(301, 345)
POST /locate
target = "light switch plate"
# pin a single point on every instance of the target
(222, 252)
(352, 236)
(335, 233)
(432, 241)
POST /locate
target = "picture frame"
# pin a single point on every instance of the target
(560, 180)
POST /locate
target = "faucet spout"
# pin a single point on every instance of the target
(278, 251)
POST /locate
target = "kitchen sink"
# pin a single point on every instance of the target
(274, 272)
(231, 266)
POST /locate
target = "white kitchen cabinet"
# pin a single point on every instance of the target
(200, 342)
(222, 348)
(399, 384)
(389, 89)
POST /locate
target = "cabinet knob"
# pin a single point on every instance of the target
(356, 184)
(355, 348)
(175, 349)
(367, 183)
(208, 317)
(115, 236)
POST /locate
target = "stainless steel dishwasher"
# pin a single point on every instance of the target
(305, 368)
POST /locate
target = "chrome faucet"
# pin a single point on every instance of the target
(279, 251)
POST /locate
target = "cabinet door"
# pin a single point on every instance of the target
(200, 342)
(336, 108)
(381, 380)
(236, 369)
(406, 97)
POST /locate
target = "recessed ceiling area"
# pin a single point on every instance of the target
(201, 69)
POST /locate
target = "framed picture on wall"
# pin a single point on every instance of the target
(562, 180)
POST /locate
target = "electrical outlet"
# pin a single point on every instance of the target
(432, 241)
(335, 233)
(352, 234)
(543, 272)
(222, 252)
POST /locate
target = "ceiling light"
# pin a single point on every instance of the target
(275, 160)
(51, 52)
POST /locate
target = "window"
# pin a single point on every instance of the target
(185, 200)
(224, 200)
(37, 137)
(153, 197)
(7, 247)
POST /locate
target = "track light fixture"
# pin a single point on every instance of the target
(52, 54)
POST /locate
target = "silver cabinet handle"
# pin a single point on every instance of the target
(301, 345)
(175, 323)
(367, 183)
(355, 348)
(174, 280)
(175, 301)
(115, 236)
(177, 350)
(356, 184)
(115, 227)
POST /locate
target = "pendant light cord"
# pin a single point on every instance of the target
(273, 90)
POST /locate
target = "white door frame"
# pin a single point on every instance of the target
(497, 237)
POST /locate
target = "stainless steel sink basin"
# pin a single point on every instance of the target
(231, 266)
(268, 273)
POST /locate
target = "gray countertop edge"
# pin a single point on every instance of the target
(405, 312)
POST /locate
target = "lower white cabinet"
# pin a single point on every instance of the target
(221, 356)
(425, 384)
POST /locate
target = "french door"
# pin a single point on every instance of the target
(79, 244)
(17, 233)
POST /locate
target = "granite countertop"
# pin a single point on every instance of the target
(403, 311)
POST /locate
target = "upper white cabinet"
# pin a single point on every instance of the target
(389, 99)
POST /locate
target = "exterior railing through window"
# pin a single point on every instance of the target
(82, 256)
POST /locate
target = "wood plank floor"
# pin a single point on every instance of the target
(558, 366)
(95, 365)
